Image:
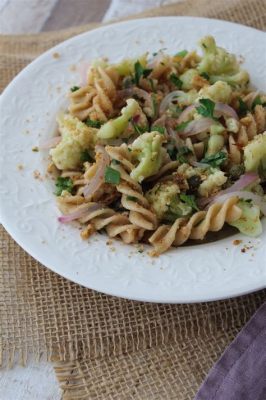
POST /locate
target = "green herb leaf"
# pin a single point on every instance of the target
(74, 88)
(63, 184)
(257, 102)
(159, 129)
(139, 129)
(182, 126)
(206, 108)
(176, 81)
(242, 108)
(182, 53)
(111, 176)
(205, 75)
(93, 123)
(132, 198)
(140, 71)
(182, 152)
(85, 156)
(215, 160)
(190, 200)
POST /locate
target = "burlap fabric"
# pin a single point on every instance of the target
(109, 348)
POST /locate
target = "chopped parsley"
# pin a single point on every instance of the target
(215, 160)
(85, 156)
(206, 108)
(190, 200)
(181, 53)
(93, 123)
(172, 151)
(159, 129)
(74, 88)
(140, 71)
(111, 176)
(257, 102)
(182, 152)
(182, 126)
(205, 75)
(242, 107)
(176, 81)
(132, 198)
(63, 184)
(138, 129)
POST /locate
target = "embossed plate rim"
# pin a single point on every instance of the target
(30, 217)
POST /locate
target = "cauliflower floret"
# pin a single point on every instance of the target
(216, 60)
(213, 183)
(219, 92)
(255, 153)
(249, 223)
(115, 127)
(161, 196)
(166, 203)
(126, 66)
(220, 65)
(76, 137)
(187, 98)
(232, 125)
(187, 171)
(187, 78)
(148, 150)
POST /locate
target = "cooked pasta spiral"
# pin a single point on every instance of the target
(132, 197)
(196, 227)
(250, 126)
(115, 224)
(96, 99)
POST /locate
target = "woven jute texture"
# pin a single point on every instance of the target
(105, 347)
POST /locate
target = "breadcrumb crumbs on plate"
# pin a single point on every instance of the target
(37, 175)
(35, 149)
(109, 242)
(20, 167)
(236, 242)
(56, 55)
(72, 68)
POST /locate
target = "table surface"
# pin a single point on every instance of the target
(37, 380)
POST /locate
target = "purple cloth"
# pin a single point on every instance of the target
(240, 374)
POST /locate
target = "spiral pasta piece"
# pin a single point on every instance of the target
(196, 227)
(95, 100)
(249, 126)
(132, 198)
(81, 102)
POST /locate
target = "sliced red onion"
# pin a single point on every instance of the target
(135, 91)
(199, 164)
(197, 126)
(168, 99)
(244, 181)
(50, 143)
(225, 110)
(98, 178)
(185, 113)
(81, 212)
(245, 195)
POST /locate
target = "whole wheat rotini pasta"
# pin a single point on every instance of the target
(163, 149)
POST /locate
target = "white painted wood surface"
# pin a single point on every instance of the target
(37, 381)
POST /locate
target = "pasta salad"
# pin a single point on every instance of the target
(162, 149)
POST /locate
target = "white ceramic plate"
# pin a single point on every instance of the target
(28, 209)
